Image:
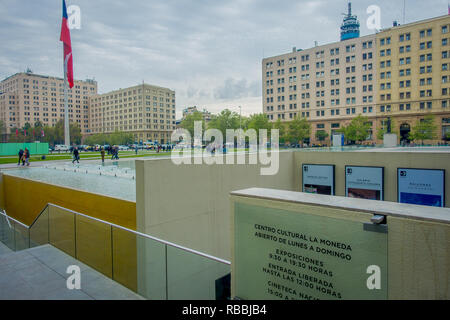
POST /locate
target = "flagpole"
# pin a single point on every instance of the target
(66, 107)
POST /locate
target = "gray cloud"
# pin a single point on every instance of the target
(205, 50)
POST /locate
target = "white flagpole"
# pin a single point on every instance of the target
(66, 106)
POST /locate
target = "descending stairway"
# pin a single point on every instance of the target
(40, 274)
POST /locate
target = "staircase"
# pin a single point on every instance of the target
(40, 274)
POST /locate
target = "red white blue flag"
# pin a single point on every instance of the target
(65, 38)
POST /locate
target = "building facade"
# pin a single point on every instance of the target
(28, 98)
(191, 110)
(146, 111)
(400, 72)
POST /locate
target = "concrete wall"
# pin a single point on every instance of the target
(189, 204)
(24, 199)
(389, 160)
(418, 237)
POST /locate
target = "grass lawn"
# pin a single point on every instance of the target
(83, 156)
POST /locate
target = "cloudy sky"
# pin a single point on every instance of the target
(208, 51)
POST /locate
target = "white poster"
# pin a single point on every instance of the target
(318, 179)
(364, 182)
(421, 186)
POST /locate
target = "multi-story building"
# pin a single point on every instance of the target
(191, 110)
(146, 111)
(401, 72)
(28, 98)
(414, 74)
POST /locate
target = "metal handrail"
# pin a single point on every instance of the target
(3, 213)
(170, 244)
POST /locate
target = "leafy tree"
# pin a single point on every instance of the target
(299, 129)
(116, 138)
(2, 131)
(321, 135)
(258, 122)
(281, 127)
(189, 122)
(424, 130)
(447, 136)
(358, 130)
(226, 120)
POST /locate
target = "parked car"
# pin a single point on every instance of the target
(62, 147)
(123, 148)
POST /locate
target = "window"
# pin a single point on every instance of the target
(444, 29)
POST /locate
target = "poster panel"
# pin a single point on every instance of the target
(364, 182)
(424, 187)
(318, 179)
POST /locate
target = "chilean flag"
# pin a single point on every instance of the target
(65, 38)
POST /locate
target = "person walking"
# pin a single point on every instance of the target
(21, 152)
(27, 157)
(76, 156)
(103, 155)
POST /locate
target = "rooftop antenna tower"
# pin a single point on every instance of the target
(350, 25)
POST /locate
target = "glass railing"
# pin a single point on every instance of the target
(153, 268)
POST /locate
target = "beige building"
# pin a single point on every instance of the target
(191, 110)
(28, 98)
(400, 72)
(144, 110)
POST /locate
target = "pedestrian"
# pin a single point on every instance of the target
(103, 155)
(27, 157)
(76, 156)
(21, 152)
(136, 149)
(116, 151)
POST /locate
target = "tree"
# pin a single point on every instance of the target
(299, 129)
(2, 131)
(424, 130)
(281, 127)
(383, 130)
(358, 130)
(258, 122)
(447, 136)
(189, 122)
(321, 135)
(226, 120)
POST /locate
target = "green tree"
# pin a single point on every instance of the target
(321, 135)
(358, 130)
(424, 130)
(2, 132)
(281, 127)
(189, 122)
(226, 120)
(447, 136)
(299, 129)
(258, 122)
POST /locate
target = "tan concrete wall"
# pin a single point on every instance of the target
(389, 160)
(418, 249)
(24, 199)
(189, 204)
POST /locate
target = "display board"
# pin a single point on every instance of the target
(421, 186)
(280, 254)
(364, 182)
(318, 179)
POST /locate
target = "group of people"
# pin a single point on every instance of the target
(24, 157)
(115, 153)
